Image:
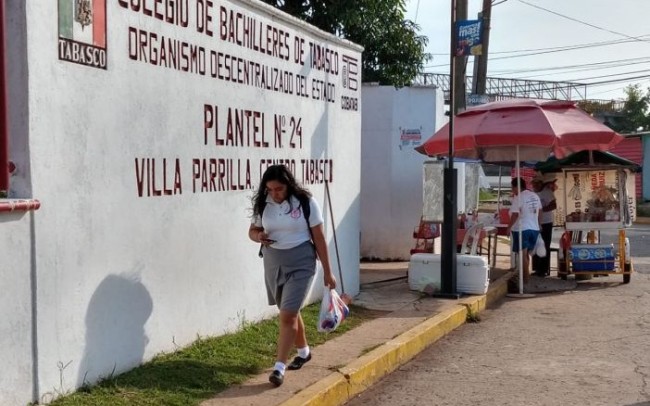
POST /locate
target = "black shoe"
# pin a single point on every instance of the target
(276, 378)
(298, 362)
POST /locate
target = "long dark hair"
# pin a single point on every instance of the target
(282, 174)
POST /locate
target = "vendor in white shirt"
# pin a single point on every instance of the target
(525, 216)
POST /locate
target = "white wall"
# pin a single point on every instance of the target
(122, 274)
(391, 170)
(16, 307)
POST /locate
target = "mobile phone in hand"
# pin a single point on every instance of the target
(268, 241)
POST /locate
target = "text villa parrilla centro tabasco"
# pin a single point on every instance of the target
(240, 128)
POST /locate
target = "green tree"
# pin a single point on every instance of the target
(635, 110)
(393, 50)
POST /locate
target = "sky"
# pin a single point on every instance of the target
(617, 31)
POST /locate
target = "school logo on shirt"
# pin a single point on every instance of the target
(82, 32)
(295, 213)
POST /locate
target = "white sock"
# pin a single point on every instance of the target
(280, 366)
(303, 352)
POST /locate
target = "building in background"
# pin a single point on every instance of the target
(636, 148)
(394, 122)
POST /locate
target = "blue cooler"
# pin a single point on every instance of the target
(592, 257)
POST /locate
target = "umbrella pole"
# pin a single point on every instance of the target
(520, 257)
(499, 195)
(520, 261)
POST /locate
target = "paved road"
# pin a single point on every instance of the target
(590, 346)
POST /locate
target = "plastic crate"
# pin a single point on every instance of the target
(591, 257)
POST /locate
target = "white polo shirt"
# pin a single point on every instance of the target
(527, 204)
(288, 226)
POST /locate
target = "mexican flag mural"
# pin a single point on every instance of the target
(82, 32)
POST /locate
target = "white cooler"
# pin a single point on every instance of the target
(473, 273)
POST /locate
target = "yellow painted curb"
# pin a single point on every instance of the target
(499, 289)
(360, 374)
(369, 368)
(333, 390)
(476, 303)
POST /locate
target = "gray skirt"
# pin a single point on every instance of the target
(288, 275)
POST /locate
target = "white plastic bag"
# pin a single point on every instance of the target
(332, 311)
(540, 248)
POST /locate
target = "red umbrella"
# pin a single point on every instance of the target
(521, 129)
(493, 131)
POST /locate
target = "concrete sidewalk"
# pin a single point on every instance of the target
(349, 364)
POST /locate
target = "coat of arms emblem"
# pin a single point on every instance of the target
(84, 13)
(82, 32)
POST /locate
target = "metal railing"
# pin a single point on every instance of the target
(503, 88)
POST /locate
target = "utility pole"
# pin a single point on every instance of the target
(450, 174)
(480, 61)
(460, 64)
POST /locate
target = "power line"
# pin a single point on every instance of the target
(608, 76)
(417, 9)
(617, 88)
(613, 61)
(574, 71)
(582, 22)
(538, 53)
(581, 67)
(560, 49)
(563, 47)
(595, 65)
(607, 82)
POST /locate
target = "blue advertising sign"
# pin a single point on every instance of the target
(476, 99)
(469, 37)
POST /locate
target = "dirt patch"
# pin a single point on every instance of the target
(538, 284)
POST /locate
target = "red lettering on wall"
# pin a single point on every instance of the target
(204, 17)
(175, 11)
(210, 119)
(289, 163)
(219, 174)
(316, 171)
(247, 32)
(280, 121)
(145, 176)
(245, 128)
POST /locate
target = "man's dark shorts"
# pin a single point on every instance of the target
(528, 240)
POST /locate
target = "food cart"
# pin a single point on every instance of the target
(590, 200)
